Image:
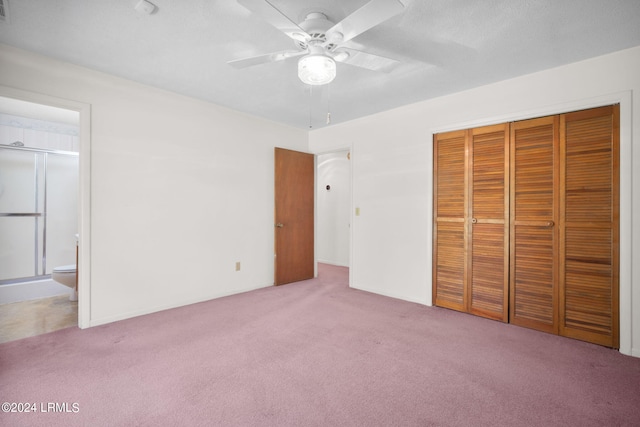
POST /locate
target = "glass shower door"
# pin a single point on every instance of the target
(21, 214)
(61, 208)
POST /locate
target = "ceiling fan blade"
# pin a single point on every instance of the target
(273, 16)
(263, 59)
(365, 60)
(368, 16)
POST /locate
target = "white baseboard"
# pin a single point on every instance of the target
(322, 261)
(136, 313)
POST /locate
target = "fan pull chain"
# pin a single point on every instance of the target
(310, 103)
(328, 105)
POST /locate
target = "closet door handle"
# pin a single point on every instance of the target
(550, 224)
(279, 225)
(474, 220)
(33, 214)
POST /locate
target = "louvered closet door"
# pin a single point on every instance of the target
(589, 207)
(534, 217)
(449, 249)
(471, 221)
(488, 260)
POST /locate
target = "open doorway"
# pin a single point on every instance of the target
(43, 212)
(39, 170)
(334, 208)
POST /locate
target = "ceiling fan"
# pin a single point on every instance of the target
(320, 42)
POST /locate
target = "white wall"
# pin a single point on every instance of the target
(180, 189)
(392, 171)
(334, 208)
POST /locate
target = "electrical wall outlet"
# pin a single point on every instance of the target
(238, 266)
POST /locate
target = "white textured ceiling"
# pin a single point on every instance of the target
(443, 46)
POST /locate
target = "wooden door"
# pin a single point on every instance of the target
(488, 229)
(450, 220)
(534, 216)
(590, 225)
(471, 227)
(294, 216)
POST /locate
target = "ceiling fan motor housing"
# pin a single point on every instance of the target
(316, 25)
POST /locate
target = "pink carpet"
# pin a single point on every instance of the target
(315, 353)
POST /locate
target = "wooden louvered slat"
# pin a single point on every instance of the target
(449, 266)
(534, 174)
(533, 289)
(588, 163)
(450, 180)
(489, 179)
(589, 255)
(488, 284)
(534, 170)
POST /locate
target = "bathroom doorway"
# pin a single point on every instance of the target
(334, 208)
(39, 200)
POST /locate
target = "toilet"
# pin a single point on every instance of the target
(66, 275)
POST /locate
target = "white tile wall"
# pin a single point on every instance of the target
(38, 133)
(10, 134)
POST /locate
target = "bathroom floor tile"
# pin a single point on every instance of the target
(29, 318)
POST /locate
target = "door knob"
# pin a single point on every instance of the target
(279, 225)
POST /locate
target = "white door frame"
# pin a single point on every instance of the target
(84, 195)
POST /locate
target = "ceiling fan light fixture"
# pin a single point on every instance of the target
(316, 69)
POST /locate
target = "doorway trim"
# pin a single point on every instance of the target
(349, 148)
(84, 190)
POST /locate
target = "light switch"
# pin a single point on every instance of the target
(357, 211)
